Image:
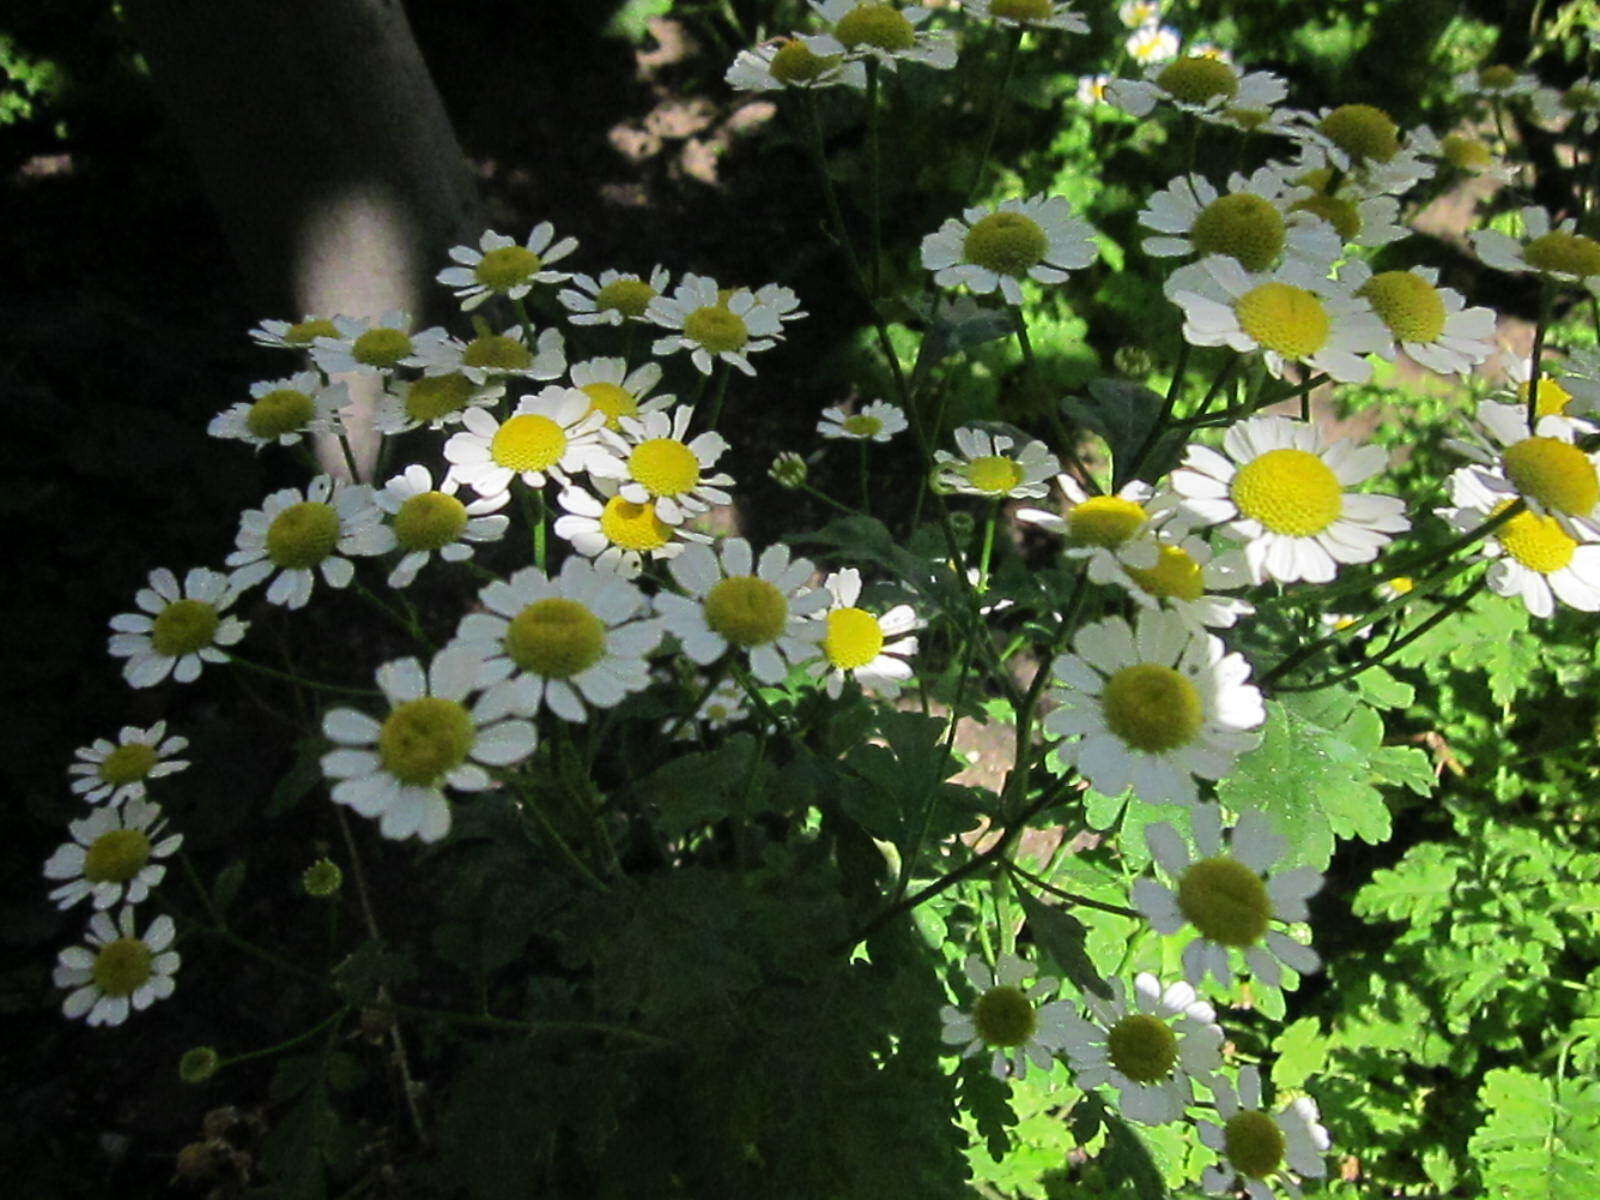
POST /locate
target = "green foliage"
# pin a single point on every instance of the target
(1541, 1141)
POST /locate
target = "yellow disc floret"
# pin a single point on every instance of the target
(1142, 1047)
(497, 352)
(1152, 708)
(1105, 521)
(128, 763)
(1226, 901)
(424, 739)
(1281, 317)
(434, 397)
(630, 297)
(1344, 216)
(556, 637)
(1553, 398)
(506, 268)
(1536, 542)
(183, 627)
(611, 400)
(746, 610)
(1564, 254)
(1363, 132)
(122, 967)
(382, 348)
(877, 25)
(664, 467)
(304, 333)
(1253, 1143)
(1006, 243)
(632, 526)
(993, 474)
(280, 411)
(528, 442)
(1408, 304)
(1176, 576)
(1004, 1016)
(1466, 153)
(1555, 473)
(429, 521)
(1195, 79)
(1243, 226)
(302, 535)
(1292, 492)
(854, 638)
(794, 63)
(116, 856)
(716, 328)
(862, 426)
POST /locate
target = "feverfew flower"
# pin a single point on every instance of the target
(1109, 531)
(1006, 1021)
(882, 32)
(500, 267)
(1257, 1147)
(1566, 389)
(428, 520)
(1230, 896)
(1365, 141)
(1549, 470)
(1152, 705)
(617, 296)
(1027, 14)
(875, 422)
(788, 470)
(283, 411)
(617, 392)
(787, 62)
(757, 609)
(293, 335)
(1151, 1051)
(365, 346)
(658, 463)
(994, 465)
(1432, 324)
(432, 400)
(577, 638)
(1037, 238)
(548, 436)
(710, 326)
(1152, 43)
(721, 707)
(295, 537)
(857, 643)
(1550, 249)
(491, 356)
(1185, 578)
(396, 769)
(117, 971)
(1197, 83)
(1092, 89)
(111, 773)
(1498, 82)
(1252, 223)
(1281, 490)
(1136, 14)
(110, 856)
(617, 534)
(177, 630)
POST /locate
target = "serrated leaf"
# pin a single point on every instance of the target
(1537, 1143)
(954, 325)
(1383, 690)
(1124, 413)
(1417, 888)
(1301, 1050)
(1062, 936)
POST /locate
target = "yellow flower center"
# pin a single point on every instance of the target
(424, 739)
(127, 764)
(1197, 78)
(664, 466)
(1536, 542)
(183, 627)
(1362, 131)
(630, 297)
(1004, 1016)
(556, 637)
(1242, 226)
(1402, 585)
(746, 610)
(633, 526)
(1497, 78)
(434, 397)
(611, 400)
(794, 63)
(1152, 708)
(507, 268)
(862, 426)
(854, 638)
(1226, 901)
(877, 25)
(1021, 10)
(382, 348)
(497, 352)
(1553, 398)
(1292, 492)
(1564, 254)
(1465, 153)
(1143, 1047)
(302, 535)
(1555, 473)
(304, 333)
(1006, 243)
(993, 474)
(116, 856)
(1253, 1143)
(1105, 521)
(122, 967)
(429, 521)
(1408, 304)
(1281, 317)
(716, 329)
(1176, 576)
(528, 442)
(1344, 216)
(280, 411)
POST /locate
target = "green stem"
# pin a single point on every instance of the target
(988, 547)
(408, 624)
(532, 501)
(510, 1025)
(1117, 910)
(866, 489)
(713, 679)
(875, 263)
(568, 855)
(299, 1038)
(996, 111)
(349, 456)
(299, 679)
(1534, 360)
(723, 371)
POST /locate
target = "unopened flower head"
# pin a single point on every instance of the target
(283, 411)
(294, 537)
(788, 470)
(499, 266)
(111, 772)
(1012, 1023)
(177, 630)
(615, 297)
(1038, 238)
(322, 879)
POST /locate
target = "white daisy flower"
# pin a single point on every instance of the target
(617, 296)
(1152, 43)
(1462, 151)
(111, 773)
(1548, 469)
(1028, 14)
(875, 422)
(1364, 141)
(1184, 580)
(1292, 314)
(889, 35)
(993, 464)
(1231, 897)
(294, 335)
(856, 643)
(118, 971)
(1432, 324)
(396, 769)
(787, 62)
(657, 463)
(1111, 532)
(283, 411)
(366, 346)
(491, 356)
(1253, 222)
(758, 609)
(1197, 83)
(560, 642)
(548, 436)
(296, 536)
(1498, 82)
(500, 267)
(1358, 207)
(1152, 705)
(617, 392)
(711, 326)
(727, 703)
(1280, 488)
(429, 520)
(1550, 249)
(1258, 1148)
(1006, 1021)
(1532, 555)
(1037, 238)
(1092, 89)
(617, 534)
(436, 401)
(177, 630)
(1136, 14)
(109, 858)
(1151, 1051)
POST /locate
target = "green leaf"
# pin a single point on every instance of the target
(1383, 690)
(304, 774)
(955, 325)
(226, 889)
(1417, 888)
(703, 788)
(1537, 1142)
(1492, 635)
(1062, 936)
(370, 967)
(1301, 1050)
(1124, 413)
